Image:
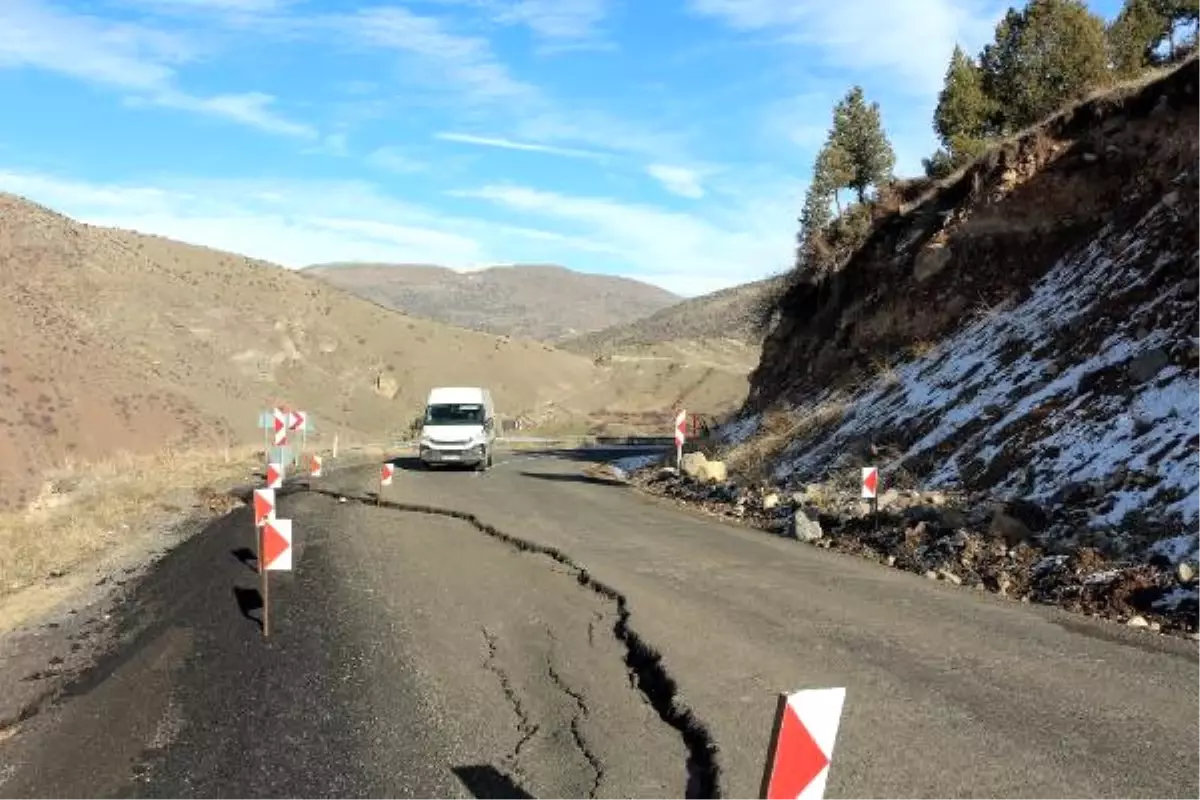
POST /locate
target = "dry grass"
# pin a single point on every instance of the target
(756, 456)
(84, 510)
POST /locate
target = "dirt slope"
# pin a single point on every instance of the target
(543, 302)
(1028, 332)
(112, 340)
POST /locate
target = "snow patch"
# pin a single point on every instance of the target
(1033, 384)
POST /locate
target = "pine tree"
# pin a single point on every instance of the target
(963, 110)
(858, 131)
(1134, 36)
(811, 252)
(1052, 52)
(832, 171)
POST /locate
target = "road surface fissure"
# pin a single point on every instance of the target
(642, 660)
(582, 713)
(526, 727)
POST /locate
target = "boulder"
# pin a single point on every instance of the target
(806, 527)
(770, 501)
(931, 260)
(1010, 529)
(1143, 368)
(713, 472)
(692, 464)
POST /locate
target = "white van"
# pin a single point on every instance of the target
(459, 427)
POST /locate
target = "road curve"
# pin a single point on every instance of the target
(536, 631)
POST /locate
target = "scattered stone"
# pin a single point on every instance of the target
(770, 501)
(890, 561)
(692, 464)
(1185, 573)
(931, 260)
(949, 577)
(1090, 158)
(889, 499)
(1148, 364)
(933, 576)
(805, 527)
(1010, 529)
(1137, 621)
(713, 472)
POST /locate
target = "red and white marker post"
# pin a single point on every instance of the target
(680, 436)
(279, 426)
(264, 511)
(801, 748)
(314, 466)
(274, 475)
(870, 490)
(386, 472)
(275, 554)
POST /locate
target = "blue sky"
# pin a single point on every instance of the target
(667, 140)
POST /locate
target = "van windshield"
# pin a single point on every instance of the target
(454, 414)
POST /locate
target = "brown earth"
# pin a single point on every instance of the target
(111, 341)
(981, 238)
(543, 302)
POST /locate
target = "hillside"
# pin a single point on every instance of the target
(730, 314)
(1017, 352)
(111, 340)
(710, 344)
(541, 302)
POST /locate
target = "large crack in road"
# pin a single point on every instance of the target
(648, 674)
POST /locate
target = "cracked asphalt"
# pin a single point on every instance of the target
(571, 638)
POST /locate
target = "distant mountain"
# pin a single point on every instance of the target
(543, 302)
(730, 314)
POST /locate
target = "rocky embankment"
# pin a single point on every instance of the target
(967, 539)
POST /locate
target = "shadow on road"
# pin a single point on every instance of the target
(246, 556)
(412, 464)
(596, 454)
(485, 781)
(574, 477)
(249, 600)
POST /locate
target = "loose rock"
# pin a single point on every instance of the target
(805, 527)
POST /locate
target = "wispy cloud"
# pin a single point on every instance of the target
(441, 56)
(558, 19)
(511, 144)
(250, 108)
(394, 160)
(677, 180)
(911, 40)
(682, 251)
(296, 222)
(135, 59)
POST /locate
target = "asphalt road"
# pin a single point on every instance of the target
(570, 637)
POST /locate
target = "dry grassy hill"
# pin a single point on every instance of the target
(728, 315)
(706, 347)
(112, 340)
(542, 302)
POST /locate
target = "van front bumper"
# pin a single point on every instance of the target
(444, 455)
